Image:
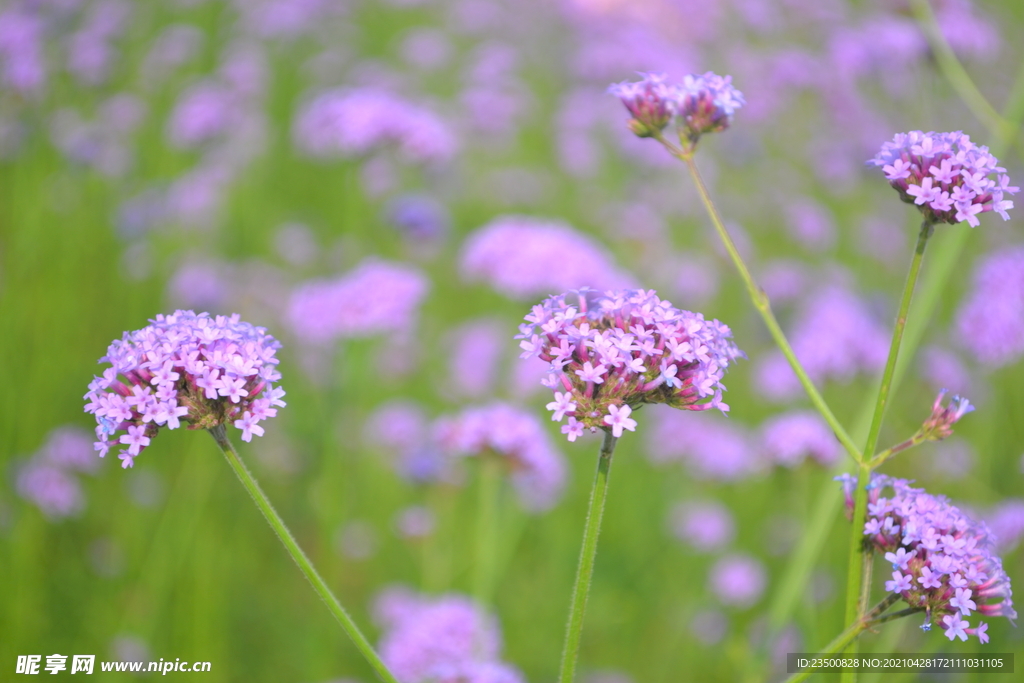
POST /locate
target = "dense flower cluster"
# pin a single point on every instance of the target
(353, 122)
(448, 639)
(990, 321)
(943, 562)
(611, 352)
(946, 176)
(523, 257)
(537, 468)
(700, 104)
(376, 297)
(204, 370)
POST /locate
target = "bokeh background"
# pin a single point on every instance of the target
(388, 187)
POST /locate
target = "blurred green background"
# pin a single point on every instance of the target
(172, 559)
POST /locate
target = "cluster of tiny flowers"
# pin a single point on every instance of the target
(353, 122)
(990, 322)
(376, 297)
(538, 470)
(946, 176)
(700, 104)
(609, 353)
(448, 639)
(943, 561)
(184, 367)
(939, 424)
(523, 257)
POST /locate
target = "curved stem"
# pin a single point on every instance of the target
(761, 303)
(585, 569)
(219, 434)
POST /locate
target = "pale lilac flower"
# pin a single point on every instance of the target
(790, 437)
(22, 46)
(355, 122)
(536, 467)
(55, 491)
(706, 525)
(204, 112)
(1007, 523)
(990, 322)
(706, 104)
(738, 580)
(447, 639)
(711, 447)
(400, 429)
(593, 342)
(207, 371)
(946, 176)
(476, 350)
(90, 50)
(949, 558)
(523, 257)
(810, 223)
(650, 101)
(70, 448)
(415, 522)
(377, 297)
(939, 424)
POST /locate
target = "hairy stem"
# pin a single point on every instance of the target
(585, 569)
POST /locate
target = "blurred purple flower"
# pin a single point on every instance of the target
(53, 490)
(353, 122)
(69, 448)
(537, 469)
(287, 19)
(1006, 520)
(835, 337)
(716, 449)
(738, 580)
(419, 218)
(476, 350)
(204, 112)
(705, 525)
(199, 284)
(22, 61)
(522, 257)
(427, 49)
(90, 52)
(377, 297)
(175, 46)
(810, 224)
(415, 522)
(790, 437)
(990, 322)
(943, 368)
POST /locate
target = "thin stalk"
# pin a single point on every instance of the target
(855, 563)
(897, 338)
(219, 434)
(844, 639)
(487, 528)
(585, 569)
(761, 303)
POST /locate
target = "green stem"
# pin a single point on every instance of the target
(856, 564)
(585, 569)
(842, 642)
(761, 303)
(219, 434)
(487, 528)
(897, 338)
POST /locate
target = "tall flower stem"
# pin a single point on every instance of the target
(760, 300)
(854, 580)
(487, 528)
(219, 434)
(585, 569)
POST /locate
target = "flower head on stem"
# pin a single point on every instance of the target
(613, 352)
(184, 367)
(940, 424)
(946, 176)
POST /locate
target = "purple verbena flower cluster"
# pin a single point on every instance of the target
(352, 122)
(611, 352)
(700, 104)
(537, 468)
(206, 371)
(523, 257)
(376, 297)
(789, 437)
(946, 176)
(990, 321)
(448, 639)
(939, 424)
(943, 562)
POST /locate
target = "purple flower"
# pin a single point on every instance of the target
(706, 525)
(716, 449)
(22, 45)
(448, 639)
(53, 490)
(990, 322)
(946, 176)
(207, 371)
(536, 467)
(650, 102)
(940, 424)
(419, 218)
(376, 297)
(593, 345)
(738, 580)
(789, 437)
(948, 557)
(523, 257)
(476, 350)
(354, 122)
